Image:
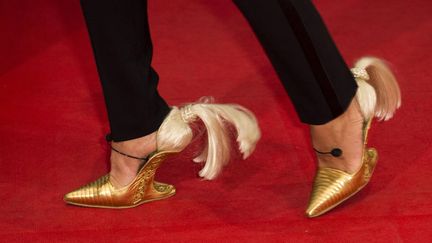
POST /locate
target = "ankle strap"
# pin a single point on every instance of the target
(130, 156)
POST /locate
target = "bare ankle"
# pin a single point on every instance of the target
(345, 133)
(138, 147)
(124, 168)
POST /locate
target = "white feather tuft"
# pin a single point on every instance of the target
(175, 133)
(366, 98)
(386, 88)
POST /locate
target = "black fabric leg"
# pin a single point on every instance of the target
(304, 56)
(122, 46)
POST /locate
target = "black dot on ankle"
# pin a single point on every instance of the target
(337, 152)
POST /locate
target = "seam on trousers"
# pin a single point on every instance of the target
(311, 55)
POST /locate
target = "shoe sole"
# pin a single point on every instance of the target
(172, 193)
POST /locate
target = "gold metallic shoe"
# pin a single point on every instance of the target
(378, 95)
(102, 194)
(174, 135)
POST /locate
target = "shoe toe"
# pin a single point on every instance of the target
(72, 197)
(329, 189)
(77, 197)
(314, 210)
(91, 194)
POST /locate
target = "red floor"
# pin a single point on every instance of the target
(53, 121)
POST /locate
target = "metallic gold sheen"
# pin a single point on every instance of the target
(331, 186)
(102, 194)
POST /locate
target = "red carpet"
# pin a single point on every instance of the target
(53, 121)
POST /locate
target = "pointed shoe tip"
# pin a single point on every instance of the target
(67, 197)
(311, 213)
(70, 197)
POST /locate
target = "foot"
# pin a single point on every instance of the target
(344, 132)
(124, 169)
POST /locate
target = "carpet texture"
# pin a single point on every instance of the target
(53, 122)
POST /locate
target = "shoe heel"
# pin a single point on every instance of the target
(147, 189)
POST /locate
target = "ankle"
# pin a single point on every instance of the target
(345, 133)
(138, 147)
(123, 167)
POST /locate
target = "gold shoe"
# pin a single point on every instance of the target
(173, 136)
(378, 95)
(102, 194)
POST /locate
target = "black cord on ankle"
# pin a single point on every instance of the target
(129, 156)
(336, 152)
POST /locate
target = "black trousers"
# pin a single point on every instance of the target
(291, 31)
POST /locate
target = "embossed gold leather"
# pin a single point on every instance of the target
(102, 194)
(331, 186)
